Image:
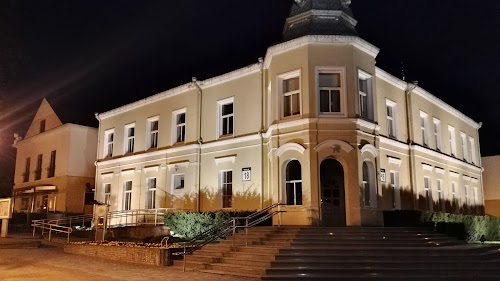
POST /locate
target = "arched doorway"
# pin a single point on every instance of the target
(332, 193)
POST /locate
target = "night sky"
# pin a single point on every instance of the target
(92, 56)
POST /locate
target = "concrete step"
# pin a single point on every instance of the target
(246, 262)
(377, 264)
(235, 268)
(384, 271)
(238, 274)
(426, 277)
(346, 256)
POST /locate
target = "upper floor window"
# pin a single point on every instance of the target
(42, 126)
(452, 140)
(152, 132)
(423, 128)
(109, 138)
(26, 175)
(226, 117)
(129, 138)
(391, 118)
(38, 171)
(179, 118)
(437, 133)
(52, 166)
(465, 152)
(290, 92)
(178, 181)
(365, 95)
(472, 149)
(330, 88)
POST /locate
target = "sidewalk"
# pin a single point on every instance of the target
(47, 264)
(15, 241)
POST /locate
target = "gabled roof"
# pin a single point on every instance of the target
(44, 112)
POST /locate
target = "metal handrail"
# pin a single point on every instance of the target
(51, 227)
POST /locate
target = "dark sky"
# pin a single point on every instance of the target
(92, 56)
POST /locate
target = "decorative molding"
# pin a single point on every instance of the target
(127, 172)
(454, 174)
(335, 145)
(290, 147)
(320, 39)
(226, 77)
(177, 166)
(427, 167)
(382, 74)
(107, 175)
(394, 143)
(444, 158)
(466, 178)
(370, 149)
(321, 13)
(394, 161)
(365, 124)
(474, 180)
(154, 168)
(439, 170)
(225, 159)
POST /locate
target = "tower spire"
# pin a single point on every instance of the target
(319, 17)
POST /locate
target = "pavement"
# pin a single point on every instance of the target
(51, 263)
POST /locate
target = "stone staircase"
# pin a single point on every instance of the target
(382, 254)
(233, 257)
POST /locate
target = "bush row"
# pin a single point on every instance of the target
(189, 225)
(476, 228)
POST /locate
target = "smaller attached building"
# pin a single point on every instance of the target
(54, 165)
(491, 180)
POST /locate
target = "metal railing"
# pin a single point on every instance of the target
(137, 217)
(225, 228)
(51, 227)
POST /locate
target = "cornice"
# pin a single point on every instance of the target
(319, 39)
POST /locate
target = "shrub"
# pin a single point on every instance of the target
(476, 228)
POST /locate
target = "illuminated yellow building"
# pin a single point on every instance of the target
(315, 125)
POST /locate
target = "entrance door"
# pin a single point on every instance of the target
(332, 193)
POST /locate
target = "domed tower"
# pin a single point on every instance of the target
(319, 17)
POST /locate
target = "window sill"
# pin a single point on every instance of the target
(228, 136)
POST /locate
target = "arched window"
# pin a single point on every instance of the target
(369, 185)
(293, 183)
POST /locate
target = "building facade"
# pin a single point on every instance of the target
(315, 125)
(491, 180)
(54, 165)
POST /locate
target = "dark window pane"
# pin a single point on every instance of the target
(230, 128)
(295, 104)
(293, 171)
(227, 109)
(363, 85)
(324, 100)
(329, 80)
(287, 107)
(298, 193)
(290, 194)
(291, 85)
(335, 107)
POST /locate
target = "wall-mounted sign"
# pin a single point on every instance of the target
(246, 174)
(6, 208)
(382, 175)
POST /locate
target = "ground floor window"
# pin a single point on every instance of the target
(293, 183)
(227, 189)
(151, 193)
(127, 198)
(107, 194)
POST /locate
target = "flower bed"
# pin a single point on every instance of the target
(143, 253)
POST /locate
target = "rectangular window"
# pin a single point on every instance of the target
(226, 117)
(127, 196)
(227, 189)
(365, 94)
(180, 126)
(465, 153)
(151, 194)
(423, 128)
(391, 118)
(38, 171)
(109, 138)
(26, 175)
(107, 194)
(437, 133)
(428, 192)
(129, 138)
(52, 168)
(472, 150)
(440, 192)
(452, 141)
(394, 184)
(466, 195)
(178, 182)
(42, 126)
(153, 133)
(454, 195)
(291, 96)
(475, 200)
(330, 87)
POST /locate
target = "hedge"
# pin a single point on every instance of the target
(477, 228)
(188, 225)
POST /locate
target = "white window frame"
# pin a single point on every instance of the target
(437, 133)
(475, 196)
(107, 193)
(428, 192)
(281, 78)
(109, 145)
(223, 184)
(464, 142)
(342, 88)
(176, 126)
(452, 139)
(151, 188)
(129, 141)
(220, 118)
(472, 148)
(466, 195)
(368, 112)
(454, 194)
(440, 192)
(396, 191)
(391, 119)
(150, 133)
(424, 128)
(127, 196)
(175, 188)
